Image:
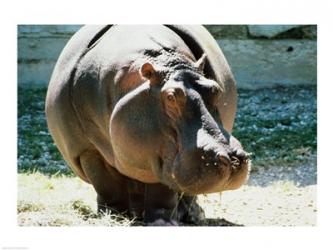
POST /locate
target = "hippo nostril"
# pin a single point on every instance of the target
(160, 164)
(235, 162)
(223, 161)
(239, 155)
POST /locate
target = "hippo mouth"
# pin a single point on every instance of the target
(203, 174)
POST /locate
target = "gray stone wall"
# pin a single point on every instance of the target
(259, 55)
(38, 49)
(263, 31)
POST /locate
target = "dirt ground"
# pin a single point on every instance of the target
(280, 203)
(275, 196)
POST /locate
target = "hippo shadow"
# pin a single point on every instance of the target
(217, 223)
(211, 222)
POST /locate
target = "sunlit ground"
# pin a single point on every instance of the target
(68, 201)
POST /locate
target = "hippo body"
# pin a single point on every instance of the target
(144, 114)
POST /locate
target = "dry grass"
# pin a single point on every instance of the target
(60, 201)
(68, 201)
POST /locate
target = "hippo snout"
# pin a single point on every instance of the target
(208, 170)
(221, 160)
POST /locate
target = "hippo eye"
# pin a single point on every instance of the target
(171, 97)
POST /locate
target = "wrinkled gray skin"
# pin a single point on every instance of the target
(144, 114)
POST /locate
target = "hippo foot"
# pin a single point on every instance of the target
(107, 207)
(156, 205)
(189, 211)
(160, 217)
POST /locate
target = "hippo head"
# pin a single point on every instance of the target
(169, 130)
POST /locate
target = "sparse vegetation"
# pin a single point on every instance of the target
(279, 126)
(69, 202)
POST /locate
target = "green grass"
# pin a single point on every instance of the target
(36, 150)
(279, 126)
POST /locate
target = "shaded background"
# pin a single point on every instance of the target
(259, 55)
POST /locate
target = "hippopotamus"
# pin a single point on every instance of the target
(145, 114)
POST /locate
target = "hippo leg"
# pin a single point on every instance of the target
(160, 205)
(189, 210)
(109, 184)
(136, 191)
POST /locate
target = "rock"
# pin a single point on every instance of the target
(259, 63)
(39, 30)
(228, 31)
(255, 62)
(269, 31)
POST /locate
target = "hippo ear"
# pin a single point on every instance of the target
(200, 64)
(147, 71)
